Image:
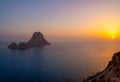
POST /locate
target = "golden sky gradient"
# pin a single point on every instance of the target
(60, 19)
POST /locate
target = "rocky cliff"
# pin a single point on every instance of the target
(111, 72)
(37, 40)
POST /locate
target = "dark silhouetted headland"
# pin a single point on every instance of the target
(37, 40)
(111, 72)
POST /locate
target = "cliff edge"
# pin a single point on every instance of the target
(111, 72)
(37, 40)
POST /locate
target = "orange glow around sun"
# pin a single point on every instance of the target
(113, 30)
(107, 30)
(113, 33)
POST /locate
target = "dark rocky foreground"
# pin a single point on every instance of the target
(111, 72)
(37, 40)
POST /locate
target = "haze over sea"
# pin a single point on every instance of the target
(62, 61)
(84, 35)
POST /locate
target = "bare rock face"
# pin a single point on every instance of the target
(22, 45)
(12, 45)
(111, 72)
(37, 40)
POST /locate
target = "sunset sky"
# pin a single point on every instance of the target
(60, 19)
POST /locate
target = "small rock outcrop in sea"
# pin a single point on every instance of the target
(111, 72)
(13, 45)
(37, 40)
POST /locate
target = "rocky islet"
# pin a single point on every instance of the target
(37, 40)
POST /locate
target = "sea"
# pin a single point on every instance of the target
(59, 62)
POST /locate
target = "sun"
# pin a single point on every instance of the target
(112, 32)
(113, 37)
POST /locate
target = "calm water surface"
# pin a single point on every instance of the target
(58, 62)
